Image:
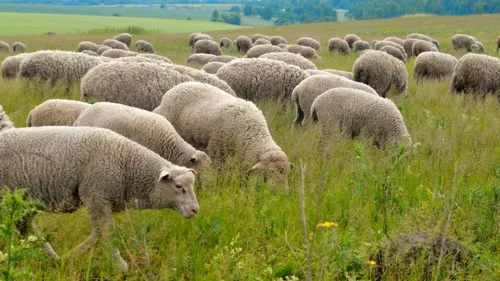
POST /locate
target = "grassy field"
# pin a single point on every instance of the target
(247, 233)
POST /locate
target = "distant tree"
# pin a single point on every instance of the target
(478, 8)
(215, 16)
(233, 18)
(235, 9)
(306, 18)
(266, 13)
(285, 18)
(248, 10)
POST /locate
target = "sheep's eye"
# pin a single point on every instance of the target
(178, 185)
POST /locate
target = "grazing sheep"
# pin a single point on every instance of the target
(146, 128)
(55, 112)
(400, 256)
(90, 53)
(243, 44)
(408, 46)
(309, 42)
(115, 44)
(200, 59)
(312, 72)
(202, 36)
(19, 47)
(125, 38)
(5, 122)
(207, 47)
(359, 113)
(310, 88)
(476, 74)
(421, 46)
(276, 40)
(212, 67)
(477, 47)
(193, 109)
(395, 40)
(50, 66)
(11, 65)
(434, 65)
(103, 49)
(257, 51)
(261, 79)
(346, 74)
(498, 43)
(359, 46)
(140, 58)
(463, 41)
(223, 59)
(156, 57)
(419, 36)
(436, 44)
(338, 45)
(4, 47)
(381, 71)
(381, 44)
(261, 41)
(306, 52)
(395, 52)
(191, 38)
(350, 39)
(283, 46)
(141, 85)
(74, 166)
(117, 53)
(200, 76)
(225, 43)
(145, 47)
(86, 45)
(373, 43)
(290, 58)
(257, 36)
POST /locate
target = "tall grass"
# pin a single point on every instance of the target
(240, 231)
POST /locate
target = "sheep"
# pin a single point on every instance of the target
(225, 43)
(408, 45)
(257, 51)
(5, 122)
(434, 65)
(338, 45)
(421, 46)
(312, 72)
(276, 40)
(19, 47)
(283, 46)
(373, 42)
(498, 43)
(223, 59)
(350, 39)
(145, 47)
(146, 128)
(74, 166)
(257, 36)
(115, 44)
(290, 58)
(477, 47)
(310, 88)
(50, 66)
(191, 38)
(103, 49)
(200, 59)
(200, 76)
(117, 53)
(399, 256)
(139, 59)
(359, 113)
(261, 41)
(141, 85)
(212, 67)
(86, 45)
(156, 57)
(193, 109)
(436, 44)
(207, 47)
(463, 41)
(395, 40)
(90, 53)
(476, 74)
(55, 112)
(309, 42)
(261, 79)
(243, 44)
(202, 36)
(419, 36)
(395, 52)
(359, 46)
(346, 74)
(381, 71)
(306, 52)
(10, 66)
(125, 38)
(4, 47)
(381, 44)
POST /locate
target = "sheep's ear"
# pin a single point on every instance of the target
(164, 175)
(255, 167)
(193, 171)
(291, 166)
(193, 159)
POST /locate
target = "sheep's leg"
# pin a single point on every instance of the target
(47, 248)
(300, 115)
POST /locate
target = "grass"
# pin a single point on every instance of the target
(241, 233)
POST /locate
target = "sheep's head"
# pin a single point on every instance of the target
(199, 160)
(174, 190)
(274, 167)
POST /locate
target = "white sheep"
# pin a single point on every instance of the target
(11, 65)
(5, 122)
(55, 112)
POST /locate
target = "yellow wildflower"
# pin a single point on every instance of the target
(327, 225)
(32, 238)
(406, 136)
(372, 262)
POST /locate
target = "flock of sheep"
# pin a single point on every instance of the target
(153, 122)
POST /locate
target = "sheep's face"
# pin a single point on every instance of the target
(274, 168)
(199, 160)
(174, 190)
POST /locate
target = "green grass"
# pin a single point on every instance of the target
(240, 232)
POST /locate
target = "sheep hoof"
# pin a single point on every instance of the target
(120, 263)
(50, 251)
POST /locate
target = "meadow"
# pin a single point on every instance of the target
(254, 232)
